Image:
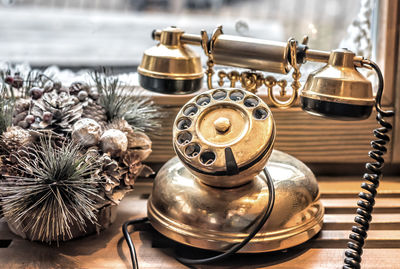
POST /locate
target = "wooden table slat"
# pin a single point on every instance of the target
(107, 250)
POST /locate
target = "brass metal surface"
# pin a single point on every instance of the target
(317, 55)
(245, 52)
(339, 81)
(250, 135)
(171, 59)
(184, 209)
(252, 53)
(252, 81)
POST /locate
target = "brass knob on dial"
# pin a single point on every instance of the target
(222, 124)
(224, 136)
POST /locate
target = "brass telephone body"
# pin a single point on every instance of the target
(212, 193)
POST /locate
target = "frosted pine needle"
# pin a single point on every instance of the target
(121, 102)
(55, 191)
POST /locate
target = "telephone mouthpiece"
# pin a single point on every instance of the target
(171, 67)
(338, 90)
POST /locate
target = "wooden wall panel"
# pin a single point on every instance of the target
(309, 138)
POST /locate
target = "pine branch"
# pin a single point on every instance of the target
(54, 192)
(6, 111)
(122, 103)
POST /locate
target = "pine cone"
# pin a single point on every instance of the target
(108, 169)
(7, 168)
(21, 105)
(57, 112)
(96, 112)
(78, 86)
(15, 137)
(21, 110)
(133, 167)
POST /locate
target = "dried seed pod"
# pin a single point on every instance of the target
(21, 105)
(30, 119)
(82, 95)
(47, 116)
(16, 82)
(113, 142)
(20, 117)
(36, 92)
(78, 86)
(9, 80)
(23, 124)
(94, 93)
(87, 132)
(74, 100)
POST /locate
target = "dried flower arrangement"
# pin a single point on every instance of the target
(66, 154)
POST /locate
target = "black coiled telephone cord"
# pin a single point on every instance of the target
(367, 198)
(219, 257)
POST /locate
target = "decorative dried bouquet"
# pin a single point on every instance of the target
(68, 155)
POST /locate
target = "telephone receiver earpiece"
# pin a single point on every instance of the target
(338, 90)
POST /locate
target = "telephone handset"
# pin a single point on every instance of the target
(217, 192)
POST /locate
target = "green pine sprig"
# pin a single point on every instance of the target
(54, 191)
(123, 103)
(6, 110)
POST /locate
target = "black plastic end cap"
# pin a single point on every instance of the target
(334, 110)
(170, 86)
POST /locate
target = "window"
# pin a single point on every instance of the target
(116, 32)
(89, 33)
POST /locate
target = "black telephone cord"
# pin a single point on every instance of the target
(219, 257)
(367, 199)
(128, 239)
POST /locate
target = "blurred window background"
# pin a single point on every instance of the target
(89, 33)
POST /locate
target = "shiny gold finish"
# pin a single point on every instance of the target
(282, 83)
(229, 50)
(220, 123)
(251, 81)
(188, 204)
(242, 52)
(192, 213)
(339, 81)
(317, 56)
(171, 59)
(251, 53)
(208, 46)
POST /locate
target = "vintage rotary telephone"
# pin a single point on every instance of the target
(227, 189)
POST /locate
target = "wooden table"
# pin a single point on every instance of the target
(108, 249)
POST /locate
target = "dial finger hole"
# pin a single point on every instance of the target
(190, 110)
(203, 100)
(207, 157)
(192, 150)
(260, 113)
(184, 138)
(236, 95)
(219, 95)
(183, 123)
(251, 101)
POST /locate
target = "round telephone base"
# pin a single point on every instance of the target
(186, 210)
